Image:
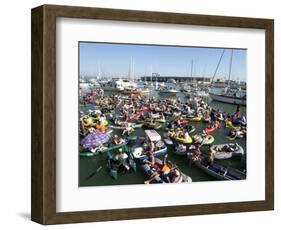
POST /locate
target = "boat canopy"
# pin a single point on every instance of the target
(152, 135)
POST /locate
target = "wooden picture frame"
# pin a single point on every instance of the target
(43, 208)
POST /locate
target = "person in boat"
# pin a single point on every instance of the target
(196, 153)
(151, 146)
(186, 135)
(203, 137)
(98, 148)
(117, 140)
(162, 117)
(210, 154)
(159, 145)
(100, 127)
(121, 161)
(237, 112)
(181, 148)
(167, 172)
(102, 119)
(164, 171)
(232, 134)
(230, 147)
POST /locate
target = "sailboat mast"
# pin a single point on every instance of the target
(230, 68)
(217, 67)
(191, 69)
(151, 74)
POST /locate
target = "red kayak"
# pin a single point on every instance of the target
(209, 130)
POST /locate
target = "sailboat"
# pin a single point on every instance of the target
(229, 96)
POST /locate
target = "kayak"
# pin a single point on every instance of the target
(206, 141)
(209, 130)
(226, 151)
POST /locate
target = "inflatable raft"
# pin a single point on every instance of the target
(209, 139)
(226, 151)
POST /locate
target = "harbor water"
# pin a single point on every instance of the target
(93, 170)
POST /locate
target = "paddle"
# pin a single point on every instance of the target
(94, 173)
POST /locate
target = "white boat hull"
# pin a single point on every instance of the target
(228, 99)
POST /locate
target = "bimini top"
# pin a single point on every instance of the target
(152, 135)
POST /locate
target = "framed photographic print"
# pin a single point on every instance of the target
(141, 114)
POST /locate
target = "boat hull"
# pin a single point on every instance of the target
(228, 99)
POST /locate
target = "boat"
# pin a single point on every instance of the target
(185, 140)
(239, 121)
(182, 178)
(229, 98)
(160, 147)
(156, 125)
(180, 152)
(168, 91)
(115, 167)
(229, 95)
(129, 124)
(136, 91)
(137, 114)
(104, 149)
(209, 139)
(168, 141)
(118, 85)
(223, 151)
(197, 118)
(219, 171)
(208, 130)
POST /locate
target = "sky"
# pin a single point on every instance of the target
(114, 60)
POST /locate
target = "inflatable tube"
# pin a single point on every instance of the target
(184, 140)
(209, 130)
(207, 140)
(199, 118)
(228, 124)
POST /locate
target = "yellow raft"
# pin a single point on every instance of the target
(187, 140)
(199, 118)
